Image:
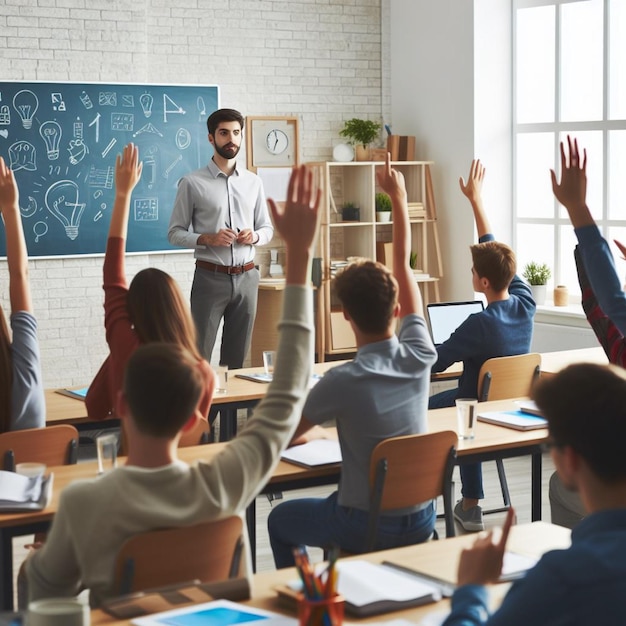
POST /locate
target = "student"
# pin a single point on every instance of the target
(382, 393)
(151, 309)
(585, 405)
(158, 402)
(220, 212)
(592, 247)
(22, 403)
(504, 328)
(603, 299)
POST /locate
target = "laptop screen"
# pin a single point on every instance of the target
(446, 317)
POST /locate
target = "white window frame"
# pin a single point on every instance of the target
(559, 128)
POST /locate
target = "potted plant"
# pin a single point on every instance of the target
(350, 212)
(537, 275)
(361, 133)
(383, 207)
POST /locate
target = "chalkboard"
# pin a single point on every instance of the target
(61, 140)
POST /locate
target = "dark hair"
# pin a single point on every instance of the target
(162, 386)
(159, 312)
(223, 115)
(368, 292)
(585, 405)
(6, 375)
(494, 261)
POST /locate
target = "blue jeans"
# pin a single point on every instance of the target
(323, 522)
(471, 474)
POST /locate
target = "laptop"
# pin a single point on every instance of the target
(445, 317)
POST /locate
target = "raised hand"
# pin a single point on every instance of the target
(571, 191)
(297, 222)
(9, 194)
(127, 169)
(391, 181)
(482, 563)
(473, 188)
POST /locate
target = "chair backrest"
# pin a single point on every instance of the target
(405, 471)
(52, 445)
(507, 377)
(207, 552)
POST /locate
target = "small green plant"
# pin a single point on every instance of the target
(360, 132)
(382, 202)
(348, 205)
(413, 260)
(536, 273)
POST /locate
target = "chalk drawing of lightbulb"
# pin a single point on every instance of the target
(26, 104)
(62, 201)
(51, 134)
(146, 101)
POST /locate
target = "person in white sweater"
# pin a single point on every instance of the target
(158, 402)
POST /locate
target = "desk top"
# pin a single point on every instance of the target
(438, 558)
(489, 438)
(62, 409)
(553, 362)
(65, 410)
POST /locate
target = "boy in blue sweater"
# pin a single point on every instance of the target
(585, 405)
(504, 328)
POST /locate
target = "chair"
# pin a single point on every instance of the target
(502, 378)
(405, 471)
(52, 445)
(208, 552)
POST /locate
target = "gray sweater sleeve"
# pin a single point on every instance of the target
(237, 475)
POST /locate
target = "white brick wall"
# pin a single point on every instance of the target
(319, 59)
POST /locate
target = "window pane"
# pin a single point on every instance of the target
(592, 142)
(535, 65)
(534, 243)
(581, 61)
(565, 272)
(617, 59)
(535, 157)
(617, 180)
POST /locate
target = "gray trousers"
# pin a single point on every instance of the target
(232, 297)
(565, 506)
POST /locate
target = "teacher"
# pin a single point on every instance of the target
(220, 211)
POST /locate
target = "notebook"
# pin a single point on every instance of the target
(445, 317)
(371, 589)
(79, 394)
(216, 613)
(519, 420)
(314, 453)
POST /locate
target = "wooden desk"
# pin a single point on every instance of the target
(241, 394)
(553, 362)
(438, 558)
(491, 442)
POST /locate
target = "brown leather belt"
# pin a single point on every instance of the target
(225, 269)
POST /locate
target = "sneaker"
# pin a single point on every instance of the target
(471, 520)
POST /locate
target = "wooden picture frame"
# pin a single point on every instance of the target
(272, 141)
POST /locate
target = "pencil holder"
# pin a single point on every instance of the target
(325, 612)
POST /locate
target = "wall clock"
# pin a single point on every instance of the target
(272, 142)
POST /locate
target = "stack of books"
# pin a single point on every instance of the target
(417, 210)
(336, 265)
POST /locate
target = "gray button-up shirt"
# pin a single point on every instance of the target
(207, 201)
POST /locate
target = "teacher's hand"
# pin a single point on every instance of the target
(224, 237)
